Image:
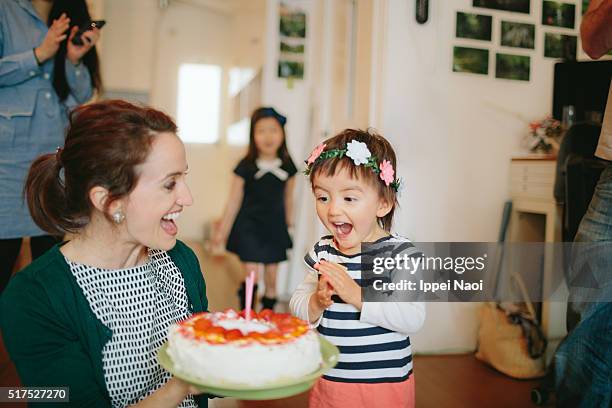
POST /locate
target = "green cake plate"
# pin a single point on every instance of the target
(279, 389)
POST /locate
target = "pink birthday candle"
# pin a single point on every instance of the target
(250, 282)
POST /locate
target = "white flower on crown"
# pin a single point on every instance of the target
(358, 151)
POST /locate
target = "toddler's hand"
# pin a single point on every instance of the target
(341, 282)
(324, 293)
(320, 300)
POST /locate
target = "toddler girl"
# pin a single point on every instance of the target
(353, 180)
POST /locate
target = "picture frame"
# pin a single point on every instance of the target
(514, 67)
(560, 46)
(471, 60)
(290, 69)
(558, 14)
(473, 26)
(515, 6)
(292, 22)
(517, 35)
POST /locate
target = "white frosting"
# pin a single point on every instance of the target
(245, 326)
(252, 364)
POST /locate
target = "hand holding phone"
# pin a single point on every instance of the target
(77, 39)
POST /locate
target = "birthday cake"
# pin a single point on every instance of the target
(226, 347)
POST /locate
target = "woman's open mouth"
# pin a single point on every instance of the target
(168, 224)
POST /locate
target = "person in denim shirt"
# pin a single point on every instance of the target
(32, 115)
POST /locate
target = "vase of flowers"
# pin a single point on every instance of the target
(544, 135)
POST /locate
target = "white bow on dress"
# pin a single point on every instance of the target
(270, 166)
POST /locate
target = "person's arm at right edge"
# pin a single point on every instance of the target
(596, 28)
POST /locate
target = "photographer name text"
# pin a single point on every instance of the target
(428, 287)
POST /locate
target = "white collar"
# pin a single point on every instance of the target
(270, 166)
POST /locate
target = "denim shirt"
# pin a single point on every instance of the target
(32, 118)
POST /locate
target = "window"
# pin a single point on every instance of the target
(199, 103)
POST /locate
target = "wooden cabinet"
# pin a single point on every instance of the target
(534, 206)
(536, 217)
(532, 179)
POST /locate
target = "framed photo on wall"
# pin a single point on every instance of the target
(519, 35)
(292, 28)
(471, 60)
(516, 67)
(290, 69)
(517, 6)
(558, 14)
(560, 46)
(473, 26)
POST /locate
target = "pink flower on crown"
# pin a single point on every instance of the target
(316, 153)
(386, 172)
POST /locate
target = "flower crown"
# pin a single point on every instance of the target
(361, 155)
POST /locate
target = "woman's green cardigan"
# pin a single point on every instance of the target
(53, 336)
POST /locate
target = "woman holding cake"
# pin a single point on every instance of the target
(91, 313)
(353, 180)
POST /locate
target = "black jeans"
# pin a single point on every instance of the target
(9, 250)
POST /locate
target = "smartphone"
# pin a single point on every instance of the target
(76, 40)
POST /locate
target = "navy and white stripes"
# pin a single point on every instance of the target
(368, 353)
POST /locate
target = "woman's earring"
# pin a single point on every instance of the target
(118, 217)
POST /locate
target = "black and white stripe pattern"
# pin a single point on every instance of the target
(368, 353)
(138, 304)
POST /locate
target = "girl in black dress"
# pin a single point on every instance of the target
(259, 209)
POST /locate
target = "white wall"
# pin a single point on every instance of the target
(295, 101)
(454, 135)
(248, 35)
(128, 46)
